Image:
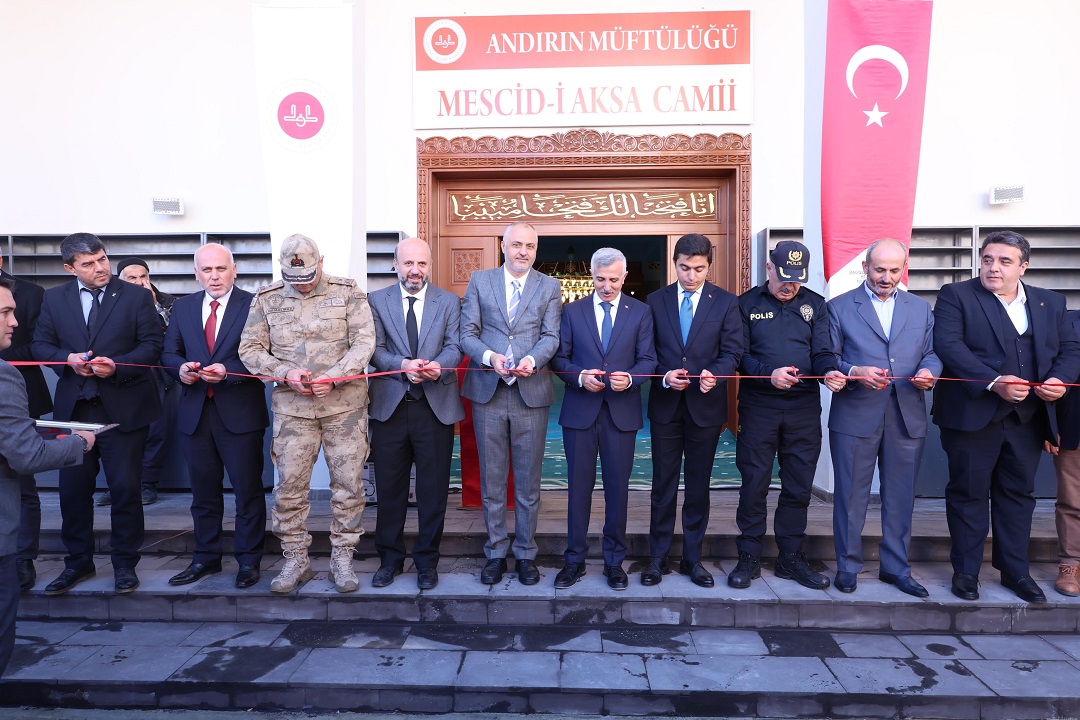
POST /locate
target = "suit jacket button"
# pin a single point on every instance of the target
(510, 337)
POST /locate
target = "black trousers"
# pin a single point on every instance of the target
(411, 434)
(992, 482)
(672, 441)
(794, 435)
(121, 453)
(211, 450)
(9, 607)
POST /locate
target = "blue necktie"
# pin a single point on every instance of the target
(605, 326)
(686, 315)
(511, 311)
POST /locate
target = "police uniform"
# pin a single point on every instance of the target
(774, 421)
(330, 333)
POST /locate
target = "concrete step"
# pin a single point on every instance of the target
(572, 670)
(168, 528)
(461, 599)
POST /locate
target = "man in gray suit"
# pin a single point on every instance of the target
(412, 415)
(22, 452)
(883, 339)
(510, 324)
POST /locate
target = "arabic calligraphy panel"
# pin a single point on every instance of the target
(584, 205)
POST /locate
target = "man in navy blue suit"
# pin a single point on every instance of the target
(222, 416)
(605, 345)
(699, 340)
(102, 329)
(1017, 340)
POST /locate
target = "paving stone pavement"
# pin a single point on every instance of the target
(364, 666)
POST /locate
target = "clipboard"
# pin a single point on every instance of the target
(95, 428)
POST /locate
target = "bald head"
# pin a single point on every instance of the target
(412, 261)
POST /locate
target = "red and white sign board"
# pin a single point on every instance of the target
(679, 68)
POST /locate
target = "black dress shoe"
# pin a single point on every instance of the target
(493, 571)
(247, 576)
(527, 572)
(965, 587)
(1024, 587)
(385, 575)
(427, 578)
(846, 582)
(654, 572)
(746, 570)
(67, 580)
(125, 580)
(698, 574)
(616, 577)
(793, 566)
(195, 571)
(904, 583)
(569, 575)
(27, 574)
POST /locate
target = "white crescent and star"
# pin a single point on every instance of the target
(877, 52)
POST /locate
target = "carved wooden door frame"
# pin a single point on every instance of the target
(588, 154)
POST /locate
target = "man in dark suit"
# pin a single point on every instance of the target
(27, 308)
(605, 350)
(699, 339)
(883, 339)
(510, 325)
(221, 415)
(22, 452)
(412, 415)
(101, 328)
(1015, 346)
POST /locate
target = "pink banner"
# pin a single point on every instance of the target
(876, 57)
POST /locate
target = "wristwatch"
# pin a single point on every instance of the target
(85, 444)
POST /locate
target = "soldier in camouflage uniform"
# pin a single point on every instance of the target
(310, 328)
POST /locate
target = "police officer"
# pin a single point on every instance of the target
(785, 334)
(309, 329)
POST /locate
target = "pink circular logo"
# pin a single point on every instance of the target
(300, 115)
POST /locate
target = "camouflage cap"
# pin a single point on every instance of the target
(299, 259)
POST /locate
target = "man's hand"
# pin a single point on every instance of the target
(677, 379)
(1009, 392)
(498, 363)
(923, 380)
(524, 368)
(619, 380)
(413, 368)
(213, 374)
(89, 437)
(321, 386)
(189, 373)
(300, 381)
(835, 380)
(432, 371)
(80, 363)
(707, 381)
(103, 367)
(784, 378)
(1051, 389)
(590, 380)
(870, 377)
(1052, 449)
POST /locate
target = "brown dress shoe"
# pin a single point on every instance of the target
(1068, 581)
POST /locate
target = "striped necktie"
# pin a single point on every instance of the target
(512, 308)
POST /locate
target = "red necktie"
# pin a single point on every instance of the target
(210, 332)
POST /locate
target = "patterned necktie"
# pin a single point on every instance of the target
(512, 308)
(605, 326)
(210, 333)
(686, 315)
(413, 334)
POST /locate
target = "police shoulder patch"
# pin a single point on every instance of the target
(807, 312)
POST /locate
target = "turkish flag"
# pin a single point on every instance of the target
(876, 57)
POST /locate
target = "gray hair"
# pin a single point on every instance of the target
(79, 244)
(218, 246)
(874, 245)
(606, 256)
